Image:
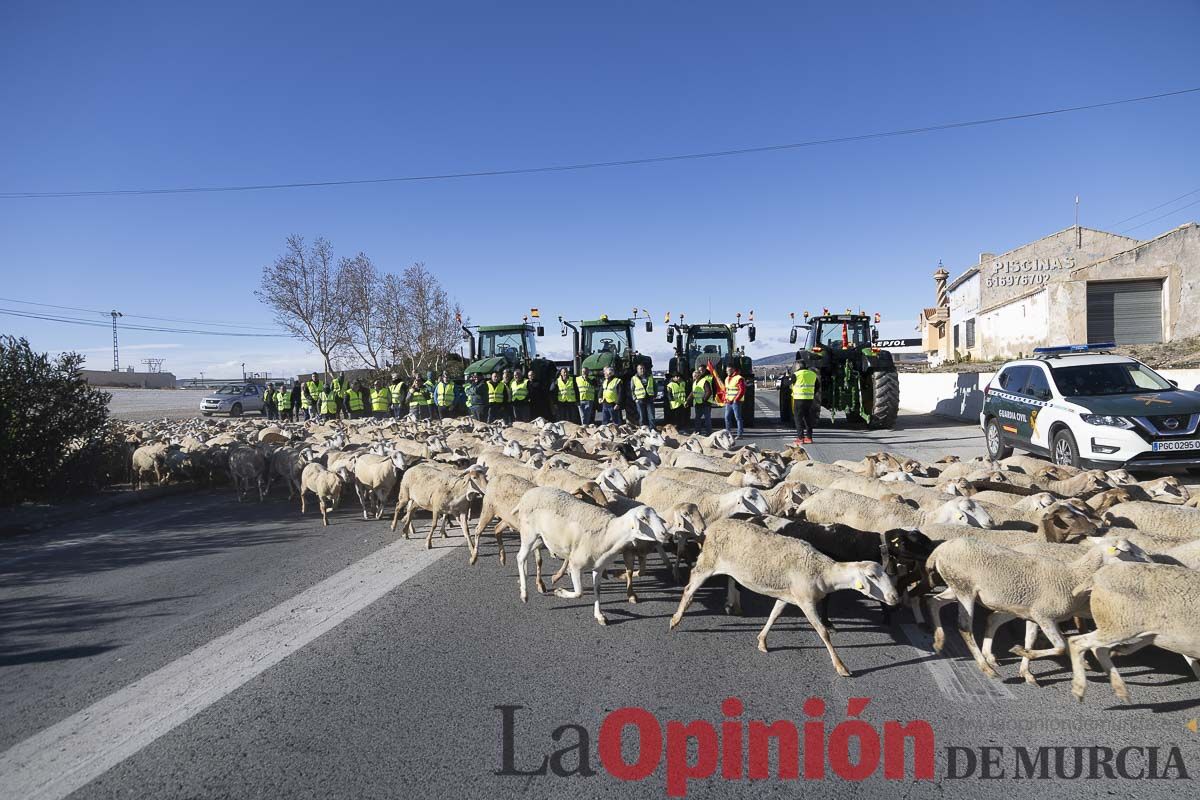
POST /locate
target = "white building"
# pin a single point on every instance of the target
(1076, 285)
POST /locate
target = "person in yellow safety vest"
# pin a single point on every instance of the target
(381, 400)
(444, 392)
(735, 392)
(566, 396)
(313, 387)
(519, 387)
(702, 394)
(269, 402)
(340, 387)
(610, 398)
(418, 397)
(329, 404)
(587, 397)
(804, 392)
(677, 399)
(399, 392)
(356, 399)
(497, 395)
(642, 385)
(283, 402)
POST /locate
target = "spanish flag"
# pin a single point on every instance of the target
(720, 391)
(533, 312)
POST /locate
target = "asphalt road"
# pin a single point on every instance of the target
(197, 647)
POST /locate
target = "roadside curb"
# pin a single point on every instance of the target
(35, 521)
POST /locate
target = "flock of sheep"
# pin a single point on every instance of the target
(1024, 539)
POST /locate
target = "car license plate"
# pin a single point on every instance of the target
(1179, 444)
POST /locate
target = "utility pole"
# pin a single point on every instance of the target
(116, 361)
(243, 370)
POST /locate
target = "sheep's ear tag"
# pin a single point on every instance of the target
(1112, 549)
(859, 585)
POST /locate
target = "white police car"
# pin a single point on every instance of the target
(1083, 406)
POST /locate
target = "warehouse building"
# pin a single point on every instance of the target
(1076, 285)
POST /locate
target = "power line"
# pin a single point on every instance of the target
(1160, 216)
(595, 164)
(122, 326)
(140, 316)
(1155, 208)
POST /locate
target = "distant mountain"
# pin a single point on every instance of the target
(778, 360)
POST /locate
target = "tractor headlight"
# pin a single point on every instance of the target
(1107, 420)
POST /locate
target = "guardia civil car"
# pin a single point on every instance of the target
(1080, 405)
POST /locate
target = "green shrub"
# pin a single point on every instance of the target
(53, 426)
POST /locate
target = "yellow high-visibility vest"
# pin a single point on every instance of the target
(329, 402)
(587, 389)
(804, 385)
(496, 393)
(642, 388)
(445, 394)
(284, 398)
(381, 399)
(356, 400)
(612, 390)
(699, 389)
(676, 395)
(566, 390)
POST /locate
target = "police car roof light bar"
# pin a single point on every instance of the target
(1068, 349)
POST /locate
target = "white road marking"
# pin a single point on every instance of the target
(71, 753)
(958, 679)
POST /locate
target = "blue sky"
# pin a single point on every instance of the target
(135, 95)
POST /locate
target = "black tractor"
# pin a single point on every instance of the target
(857, 378)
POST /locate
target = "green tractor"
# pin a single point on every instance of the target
(604, 342)
(495, 348)
(856, 378)
(713, 343)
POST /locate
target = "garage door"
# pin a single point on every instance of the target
(1125, 312)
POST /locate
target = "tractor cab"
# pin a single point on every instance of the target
(499, 347)
(604, 342)
(840, 332)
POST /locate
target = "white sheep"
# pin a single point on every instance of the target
(585, 536)
(870, 514)
(326, 485)
(149, 460)
(1014, 585)
(1135, 605)
(790, 570)
(374, 478)
(663, 493)
(1177, 523)
(444, 493)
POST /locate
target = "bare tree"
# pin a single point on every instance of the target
(361, 294)
(301, 289)
(422, 321)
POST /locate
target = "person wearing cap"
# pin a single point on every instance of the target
(735, 391)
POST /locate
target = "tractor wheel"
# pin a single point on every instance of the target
(886, 400)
